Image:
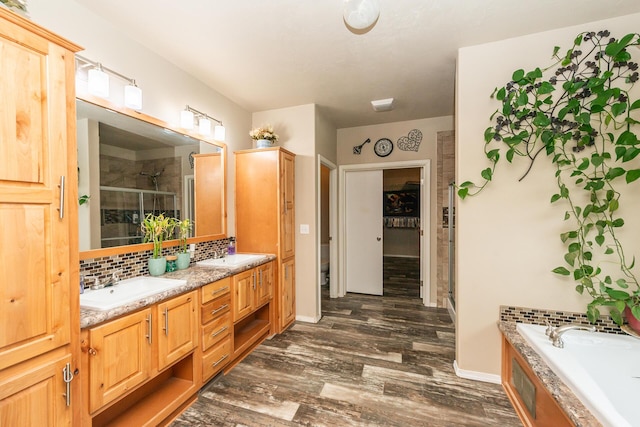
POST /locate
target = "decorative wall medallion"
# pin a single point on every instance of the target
(358, 148)
(410, 142)
(191, 158)
(383, 147)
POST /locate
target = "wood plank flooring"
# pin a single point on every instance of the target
(370, 361)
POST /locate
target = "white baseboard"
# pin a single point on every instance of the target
(308, 319)
(476, 376)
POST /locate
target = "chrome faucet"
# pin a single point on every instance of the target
(555, 334)
(114, 279)
(99, 284)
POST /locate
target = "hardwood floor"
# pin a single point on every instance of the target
(370, 361)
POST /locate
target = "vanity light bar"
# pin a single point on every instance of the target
(98, 83)
(204, 123)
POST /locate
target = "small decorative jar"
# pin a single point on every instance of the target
(171, 263)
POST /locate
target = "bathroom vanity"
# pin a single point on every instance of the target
(145, 361)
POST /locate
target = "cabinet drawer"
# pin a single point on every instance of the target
(214, 309)
(216, 330)
(216, 289)
(216, 359)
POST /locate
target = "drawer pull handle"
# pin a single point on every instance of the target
(221, 330)
(220, 361)
(217, 291)
(217, 310)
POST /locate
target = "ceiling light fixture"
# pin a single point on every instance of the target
(361, 14)
(98, 82)
(187, 121)
(382, 104)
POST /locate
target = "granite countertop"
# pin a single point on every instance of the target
(570, 404)
(195, 276)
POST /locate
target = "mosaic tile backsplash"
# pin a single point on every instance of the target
(538, 317)
(134, 264)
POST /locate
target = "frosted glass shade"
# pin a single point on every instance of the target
(204, 126)
(186, 119)
(361, 14)
(219, 133)
(133, 97)
(98, 83)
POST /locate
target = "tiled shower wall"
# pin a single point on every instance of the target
(134, 264)
(445, 174)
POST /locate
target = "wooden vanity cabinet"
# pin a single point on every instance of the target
(38, 210)
(178, 330)
(533, 403)
(120, 357)
(140, 366)
(216, 327)
(251, 298)
(265, 220)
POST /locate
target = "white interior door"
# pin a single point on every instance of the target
(363, 233)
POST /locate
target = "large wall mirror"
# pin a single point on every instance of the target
(130, 165)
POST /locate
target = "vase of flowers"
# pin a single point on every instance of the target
(184, 229)
(264, 136)
(156, 228)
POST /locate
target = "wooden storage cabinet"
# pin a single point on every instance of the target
(140, 366)
(39, 280)
(34, 393)
(288, 295)
(215, 318)
(265, 219)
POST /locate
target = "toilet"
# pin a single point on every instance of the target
(324, 264)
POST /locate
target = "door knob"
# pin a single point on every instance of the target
(378, 238)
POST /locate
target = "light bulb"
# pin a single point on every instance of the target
(186, 119)
(219, 133)
(204, 126)
(98, 83)
(133, 97)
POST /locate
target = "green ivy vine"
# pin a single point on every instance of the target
(579, 113)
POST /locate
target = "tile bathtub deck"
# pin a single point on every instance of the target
(370, 361)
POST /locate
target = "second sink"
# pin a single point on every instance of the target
(236, 260)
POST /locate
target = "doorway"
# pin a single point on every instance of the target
(327, 218)
(421, 221)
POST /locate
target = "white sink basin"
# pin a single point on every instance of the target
(237, 260)
(126, 291)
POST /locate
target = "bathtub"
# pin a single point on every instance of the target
(603, 370)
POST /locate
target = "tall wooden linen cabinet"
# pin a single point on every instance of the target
(265, 220)
(39, 323)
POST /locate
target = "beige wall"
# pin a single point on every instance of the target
(166, 88)
(349, 137)
(508, 237)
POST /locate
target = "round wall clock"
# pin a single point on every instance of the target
(383, 147)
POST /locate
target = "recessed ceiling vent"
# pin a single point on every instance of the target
(382, 104)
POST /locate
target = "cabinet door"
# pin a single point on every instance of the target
(242, 297)
(35, 290)
(177, 328)
(287, 192)
(265, 283)
(119, 357)
(34, 393)
(288, 301)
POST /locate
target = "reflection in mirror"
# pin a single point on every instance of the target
(131, 167)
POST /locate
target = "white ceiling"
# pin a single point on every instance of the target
(281, 53)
